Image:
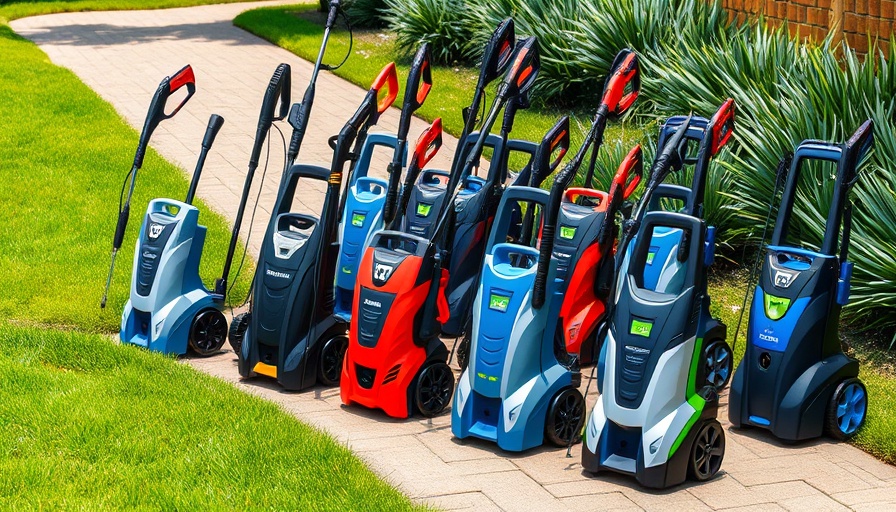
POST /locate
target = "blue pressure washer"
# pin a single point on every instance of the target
(170, 308)
(794, 379)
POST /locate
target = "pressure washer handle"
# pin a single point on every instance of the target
(417, 89)
(625, 75)
(624, 183)
(121, 227)
(278, 92)
(856, 148)
(554, 142)
(498, 53)
(523, 70)
(215, 122)
(722, 125)
(334, 11)
(156, 114)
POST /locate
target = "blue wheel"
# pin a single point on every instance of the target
(847, 409)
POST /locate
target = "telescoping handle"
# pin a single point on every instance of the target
(168, 86)
(215, 122)
(722, 123)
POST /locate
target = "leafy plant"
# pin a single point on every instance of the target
(442, 23)
(366, 13)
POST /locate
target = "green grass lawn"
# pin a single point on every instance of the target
(89, 424)
(64, 153)
(86, 423)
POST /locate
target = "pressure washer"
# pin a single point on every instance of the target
(292, 334)
(656, 417)
(794, 379)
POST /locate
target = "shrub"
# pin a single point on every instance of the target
(366, 13)
(441, 23)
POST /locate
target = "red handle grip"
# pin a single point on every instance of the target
(429, 143)
(388, 77)
(722, 125)
(630, 171)
(624, 74)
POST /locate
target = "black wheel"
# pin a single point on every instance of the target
(434, 388)
(463, 351)
(707, 451)
(238, 331)
(566, 417)
(718, 364)
(846, 410)
(208, 332)
(331, 355)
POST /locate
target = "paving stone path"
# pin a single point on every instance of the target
(123, 55)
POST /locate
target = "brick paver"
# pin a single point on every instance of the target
(123, 55)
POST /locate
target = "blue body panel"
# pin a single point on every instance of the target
(158, 316)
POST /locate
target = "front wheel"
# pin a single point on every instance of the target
(566, 417)
(434, 388)
(208, 332)
(846, 410)
(707, 451)
(329, 371)
(718, 364)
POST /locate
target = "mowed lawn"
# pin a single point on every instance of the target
(89, 424)
(84, 422)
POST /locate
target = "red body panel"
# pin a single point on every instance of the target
(395, 357)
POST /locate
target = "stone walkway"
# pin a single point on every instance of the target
(124, 55)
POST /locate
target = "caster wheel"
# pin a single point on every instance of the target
(434, 388)
(718, 364)
(707, 451)
(566, 417)
(846, 410)
(238, 331)
(331, 355)
(208, 332)
(463, 352)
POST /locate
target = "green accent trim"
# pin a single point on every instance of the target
(567, 232)
(696, 401)
(423, 209)
(498, 302)
(776, 307)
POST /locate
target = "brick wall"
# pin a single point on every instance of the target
(813, 19)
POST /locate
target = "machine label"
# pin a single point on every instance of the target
(423, 210)
(274, 273)
(641, 328)
(498, 302)
(769, 338)
(650, 256)
(783, 279)
(489, 378)
(374, 303)
(155, 230)
(346, 270)
(567, 232)
(358, 219)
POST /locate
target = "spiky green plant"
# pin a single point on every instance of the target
(441, 23)
(365, 13)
